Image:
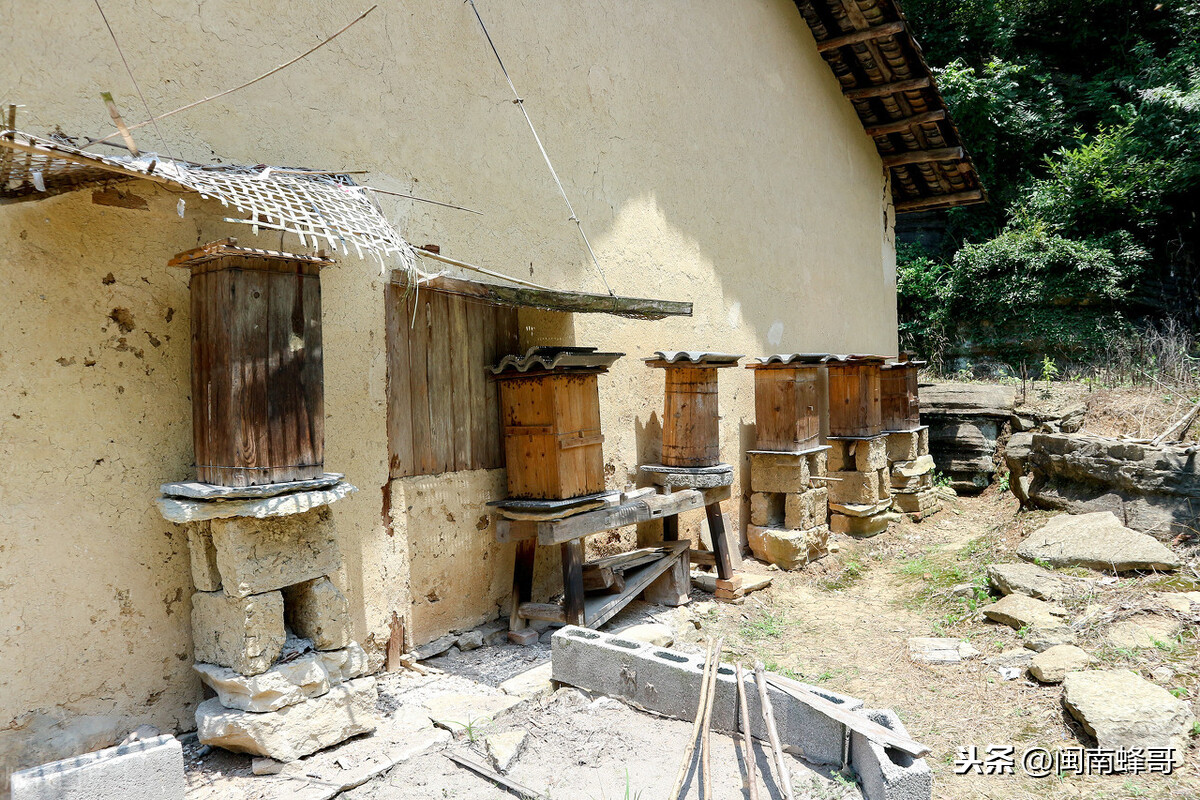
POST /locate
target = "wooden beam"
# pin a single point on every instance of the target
(923, 156)
(933, 201)
(875, 32)
(642, 510)
(901, 125)
(867, 92)
(576, 302)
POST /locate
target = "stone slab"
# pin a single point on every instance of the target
(285, 683)
(854, 488)
(806, 509)
(667, 682)
(1097, 540)
(294, 731)
(1027, 579)
(934, 650)
(148, 769)
(888, 774)
(456, 712)
(690, 478)
(245, 634)
(779, 472)
(504, 748)
(787, 548)
(196, 490)
(1053, 664)
(261, 555)
(181, 510)
(534, 682)
(1042, 625)
(1123, 710)
(861, 526)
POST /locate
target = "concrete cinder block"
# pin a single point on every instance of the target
(667, 682)
(805, 510)
(316, 610)
(887, 773)
(854, 488)
(778, 472)
(903, 446)
(261, 555)
(243, 633)
(205, 575)
(148, 769)
(767, 509)
(871, 454)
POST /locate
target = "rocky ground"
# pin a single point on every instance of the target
(847, 622)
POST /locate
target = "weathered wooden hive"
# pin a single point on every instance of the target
(258, 413)
(855, 406)
(550, 412)
(900, 407)
(787, 402)
(691, 419)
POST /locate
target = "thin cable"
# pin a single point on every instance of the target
(124, 61)
(521, 104)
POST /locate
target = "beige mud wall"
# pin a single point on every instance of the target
(705, 145)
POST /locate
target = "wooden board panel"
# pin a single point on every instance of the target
(443, 411)
(399, 418)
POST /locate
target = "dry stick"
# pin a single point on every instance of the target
(691, 747)
(705, 762)
(267, 74)
(747, 746)
(1178, 429)
(119, 121)
(768, 712)
(464, 265)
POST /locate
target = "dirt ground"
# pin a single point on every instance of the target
(842, 623)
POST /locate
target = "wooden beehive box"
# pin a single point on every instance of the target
(691, 418)
(258, 413)
(855, 406)
(550, 412)
(787, 402)
(900, 408)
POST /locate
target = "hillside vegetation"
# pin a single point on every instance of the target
(1083, 119)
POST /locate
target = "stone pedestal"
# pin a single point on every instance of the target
(272, 635)
(861, 495)
(788, 507)
(910, 468)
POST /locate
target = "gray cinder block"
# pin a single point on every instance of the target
(150, 769)
(667, 682)
(887, 773)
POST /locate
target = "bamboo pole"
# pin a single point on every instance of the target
(705, 762)
(785, 780)
(699, 720)
(747, 744)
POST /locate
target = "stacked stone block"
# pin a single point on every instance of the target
(860, 488)
(788, 509)
(910, 469)
(272, 638)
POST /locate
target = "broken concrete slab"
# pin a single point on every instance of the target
(667, 682)
(1027, 579)
(294, 731)
(1098, 541)
(1123, 711)
(457, 712)
(534, 682)
(256, 556)
(504, 748)
(1041, 624)
(887, 773)
(147, 769)
(180, 510)
(1053, 664)
(316, 610)
(932, 650)
(245, 634)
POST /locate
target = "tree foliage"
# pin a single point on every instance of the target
(1083, 119)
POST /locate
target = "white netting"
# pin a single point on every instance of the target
(321, 209)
